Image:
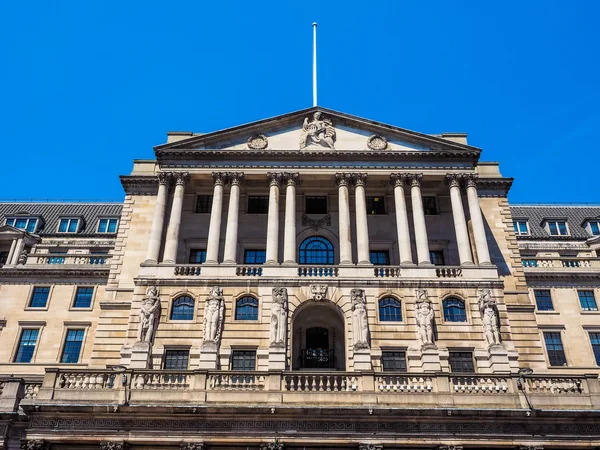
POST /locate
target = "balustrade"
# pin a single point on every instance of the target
(554, 385)
(160, 380)
(557, 262)
(386, 271)
(83, 380)
(31, 390)
(448, 272)
(479, 385)
(187, 270)
(318, 271)
(249, 271)
(236, 380)
(404, 383)
(61, 258)
(320, 382)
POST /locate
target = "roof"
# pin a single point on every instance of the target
(52, 212)
(576, 217)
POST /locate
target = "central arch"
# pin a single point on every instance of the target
(318, 337)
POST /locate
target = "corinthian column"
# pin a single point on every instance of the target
(214, 227)
(397, 180)
(181, 179)
(344, 217)
(460, 223)
(481, 245)
(273, 218)
(231, 234)
(419, 218)
(158, 221)
(289, 233)
(362, 230)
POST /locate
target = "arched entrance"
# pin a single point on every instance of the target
(318, 337)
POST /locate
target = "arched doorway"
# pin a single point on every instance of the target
(318, 337)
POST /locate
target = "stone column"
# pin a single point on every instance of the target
(397, 180)
(289, 234)
(158, 221)
(460, 223)
(362, 230)
(231, 234)
(11, 252)
(419, 218)
(181, 179)
(272, 256)
(481, 244)
(214, 227)
(344, 217)
(17, 251)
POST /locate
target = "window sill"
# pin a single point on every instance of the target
(87, 308)
(592, 312)
(548, 313)
(34, 308)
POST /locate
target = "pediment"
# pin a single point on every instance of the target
(8, 232)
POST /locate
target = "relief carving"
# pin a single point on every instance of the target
(377, 142)
(257, 142)
(319, 131)
(318, 292)
(316, 224)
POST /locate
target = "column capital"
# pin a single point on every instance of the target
(291, 178)
(235, 178)
(470, 179)
(359, 179)
(343, 179)
(220, 178)
(414, 179)
(181, 178)
(165, 178)
(453, 179)
(274, 178)
(398, 179)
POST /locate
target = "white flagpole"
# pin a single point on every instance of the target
(314, 63)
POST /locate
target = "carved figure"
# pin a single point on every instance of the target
(22, 257)
(319, 130)
(213, 315)
(149, 315)
(424, 314)
(489, 317)
(279, 314)
(360, 324)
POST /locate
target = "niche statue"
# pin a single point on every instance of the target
(424, 314)
(489, 317)
(149, 315)
(279, 312)
(213, 315)
(360, 324)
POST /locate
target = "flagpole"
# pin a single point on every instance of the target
(314, 63)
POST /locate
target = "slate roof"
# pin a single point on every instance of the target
(576, 217)
(52, 212)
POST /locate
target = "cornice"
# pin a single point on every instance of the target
(43, 271)
(494, 187)
(139, 185)
(563, 276)
(115, 305)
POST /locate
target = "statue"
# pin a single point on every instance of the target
(360, 324)
(22, 257)
(489, 317)
(149, 315)
(213, 315)
(319, 131)
(279, 312)
(424, 314)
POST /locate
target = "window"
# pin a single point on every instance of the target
(255, 256)
(176, 359)
(197, 256)
(558, 228)
(375, 205)
(68, 225)
(27, 343)
(316, 205)
(99, 259)
(437, 257)
(3, 258)
(28, 224)
(430, 206)
(587, 301)
(595, 340)
(83, 297)
(543, 300)
(72, 348)
(57, 259)
(107, 225)
(258, 205)
(594, 228)
(243, 360)
(316, 250)
(554, 347)
(454, 310)
(390, 310)
(204, 203)
(380, 257)
(521, 227)
(393, 361)
(39, 297)
(246, 308)
(461, 362)
(183, 308)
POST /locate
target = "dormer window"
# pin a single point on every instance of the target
(68, 225)
(521, 227)
(593, 227)
(557, 227)
(28, 224)
(108, 225)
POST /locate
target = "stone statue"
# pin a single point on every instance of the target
(149, 315)
(489, 317)
(318, 131)
(360, 324)
(279, 312)
(22, 257)
(213, 315)
(424, 314)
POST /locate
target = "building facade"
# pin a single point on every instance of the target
(314, 280)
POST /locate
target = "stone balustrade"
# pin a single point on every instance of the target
(557, 264)
(479, 385)
(34, 259)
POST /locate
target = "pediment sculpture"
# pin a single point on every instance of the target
(214, 312)
(317, 131)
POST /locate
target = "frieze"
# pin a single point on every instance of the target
(316, 223)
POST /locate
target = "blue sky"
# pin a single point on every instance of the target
(87, 86)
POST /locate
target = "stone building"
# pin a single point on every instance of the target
(313, 280)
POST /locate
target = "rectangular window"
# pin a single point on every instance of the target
(39, 297)
(176, 359)
(543, 300)
(316, 205)
(437, 257)
(27, 343)
(461, 362)
(23, 223)
(595, 228)
(72, 348)
(83, 297)
(68, 225)
(375, 205)
(3, 258)
(204, 204)
(554, 347)
(521, 227)
(595, 340)
(243, 360)
(107, 226)
(197, 256)
(393, 361)
(258, 205)
(558, 228)
(255, 256)
(587, 301)
(380, 257)
(430, 206)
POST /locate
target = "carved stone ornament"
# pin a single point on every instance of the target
(377, 142)
(22, 257)
(531, 447)
(316, 224)
(489, 317)
(272, 446)
(318, 131)
(149, 315)
(318, 292)
(370, 447)
(360, 324)
(214, 312)
(424, 315)
(192, 446)
(34, 444)
(279, 313)
(450, 447)
(257, 142)
(112, 445)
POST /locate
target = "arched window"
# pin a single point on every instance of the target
(390, 310)
(454, 310)
(246, 308)
(316, 250)
(183, 308)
